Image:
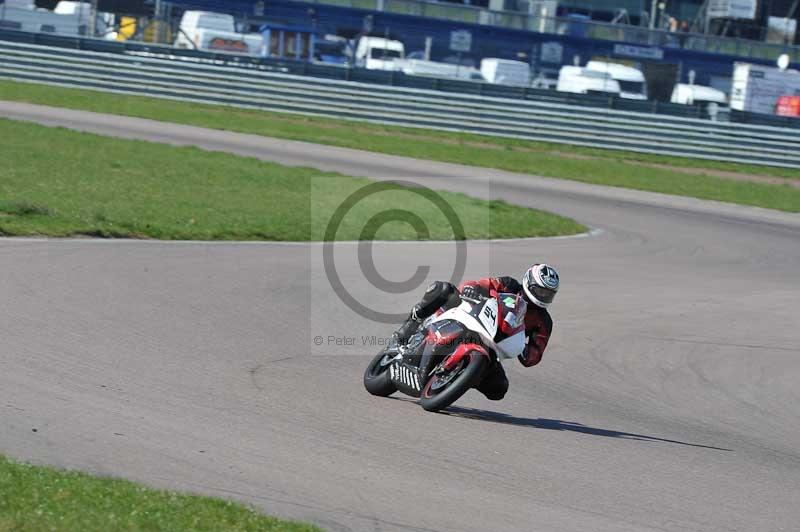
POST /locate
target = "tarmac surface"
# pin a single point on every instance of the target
(669, 398)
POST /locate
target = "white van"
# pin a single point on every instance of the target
(436, 69)
(631, 80)
(104, 22)
(216, 32)
(68, 18)
(697, 95)
(378, 53)
(713, 102)
(581, 80)
(506, 72)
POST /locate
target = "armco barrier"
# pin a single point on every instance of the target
(303, 68)
(397, 79)
(183, 78)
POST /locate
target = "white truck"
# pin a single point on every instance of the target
(756, 88)
(632, 84)
(216, 32)
(506, 72)
(68, 18)
(379, 53)
(581, 80)
(603, 77)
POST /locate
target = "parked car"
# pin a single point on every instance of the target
(332, 50)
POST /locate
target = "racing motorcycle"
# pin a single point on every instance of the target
(450, 351)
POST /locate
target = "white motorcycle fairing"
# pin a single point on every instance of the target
(511, 347)
(486, 326)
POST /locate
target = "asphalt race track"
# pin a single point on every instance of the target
(669, 398)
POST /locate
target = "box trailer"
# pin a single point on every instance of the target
(756, 88)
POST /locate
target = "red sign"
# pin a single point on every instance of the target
(788, 106)
(228, 45)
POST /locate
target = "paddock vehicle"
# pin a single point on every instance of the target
(216, 32)
(697, 95)
(506, 72)
(632, 84)
(581, 80)
(756, 88)
(378, 53)
(437, 69)
(67, 18)
(600, 77)
(450, 352)
(713, 102)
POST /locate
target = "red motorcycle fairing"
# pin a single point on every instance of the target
(438, 341)
(461, 351)
(443, 333)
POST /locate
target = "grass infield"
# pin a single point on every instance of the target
(58, 182)
(34, 498)
(775, 188)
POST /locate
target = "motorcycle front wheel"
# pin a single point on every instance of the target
(376, 376)
(446, 387)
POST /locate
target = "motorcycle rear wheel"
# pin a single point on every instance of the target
(442, 390)
(376, 376)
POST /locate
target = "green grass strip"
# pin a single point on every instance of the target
(59, 182)
(730, 182)
(34, 498)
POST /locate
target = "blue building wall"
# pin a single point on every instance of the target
(487, 41)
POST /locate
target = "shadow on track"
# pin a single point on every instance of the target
(555, 424)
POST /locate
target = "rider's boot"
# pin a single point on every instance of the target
(408, 328)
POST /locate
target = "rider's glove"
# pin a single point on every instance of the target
(471, 292)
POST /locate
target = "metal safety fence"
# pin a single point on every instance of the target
(217, 82)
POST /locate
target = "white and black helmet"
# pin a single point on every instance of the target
(540, 284)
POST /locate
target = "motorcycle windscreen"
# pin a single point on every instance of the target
(511, 346)
(512, 313)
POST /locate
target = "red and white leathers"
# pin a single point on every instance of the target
(538, 324)
(442, 294)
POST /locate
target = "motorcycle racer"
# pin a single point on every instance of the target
(539, 286)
